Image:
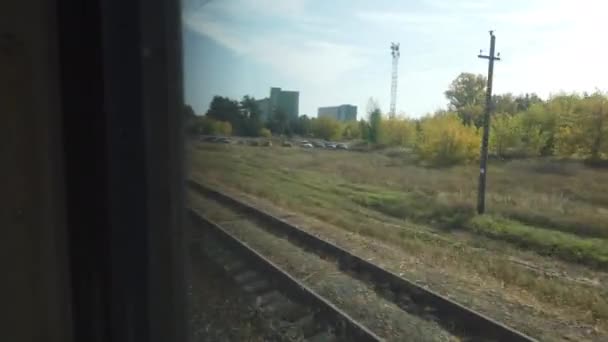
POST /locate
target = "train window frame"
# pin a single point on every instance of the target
(120, 62)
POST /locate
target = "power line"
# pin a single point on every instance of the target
(483, 160)
(395, 53)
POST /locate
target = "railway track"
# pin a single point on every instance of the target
(300, 312)
(459, 320)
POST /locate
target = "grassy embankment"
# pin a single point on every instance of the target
(552, 208)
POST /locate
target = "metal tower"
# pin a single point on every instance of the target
(395, 53)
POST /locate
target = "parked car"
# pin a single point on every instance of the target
(306, 145)
(224, 140)
(318, 144)
(209, 139)
(342, 147)
(330, 145)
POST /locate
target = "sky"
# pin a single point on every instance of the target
(338, 51)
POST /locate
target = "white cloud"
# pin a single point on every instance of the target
(282, 7)
(239, 8)
(404, 18)
(215, 30)
(459, 5)
(303, 58)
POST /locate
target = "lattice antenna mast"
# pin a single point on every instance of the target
(395, 53)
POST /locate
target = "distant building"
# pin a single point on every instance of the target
(344, 112)
(287, 101)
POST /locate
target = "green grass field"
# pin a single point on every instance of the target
(556, 210)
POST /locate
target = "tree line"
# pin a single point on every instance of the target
(564, 125)
(227, 116)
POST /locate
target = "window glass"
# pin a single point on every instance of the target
(392, 170)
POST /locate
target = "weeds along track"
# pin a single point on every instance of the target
(459, 320)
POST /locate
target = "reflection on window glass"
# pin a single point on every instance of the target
(391, 170)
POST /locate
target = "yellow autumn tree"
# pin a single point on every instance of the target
(351, 130)
(444, 140)
(397, 132)
(326, 128)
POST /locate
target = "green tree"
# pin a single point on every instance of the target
(538, 127)
(188, 112)
(375, 126)
(583, 126)
(207, 125)
(351, 130)
(326, 128)
(190, 120)
(251, 116)
(279, 122)
(505, 103)
(471, 115)
(505, 136)
(225, 109)
(466, 95)
(595, 123)
(223, 128)
(302, 125)
(375, 120)
(364, 129)
(265, 132)
(526, 101)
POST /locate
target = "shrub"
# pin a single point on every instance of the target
(442, 140)
(207, 125)
(397, 132)
(504, 135)
(351, 130)
(265, 132)
(222, 127)
(326, 128)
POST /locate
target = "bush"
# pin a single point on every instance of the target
(265, 132)
(222, 128)
(505, 136)
(326, 128)
(207, 125)
(351, 130)
(397, 132)
(443, 140)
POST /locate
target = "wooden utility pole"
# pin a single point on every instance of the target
(483, 160)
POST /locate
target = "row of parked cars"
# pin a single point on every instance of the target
(222, 140)
(302, 143)
(323, 144)
(226, 140)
